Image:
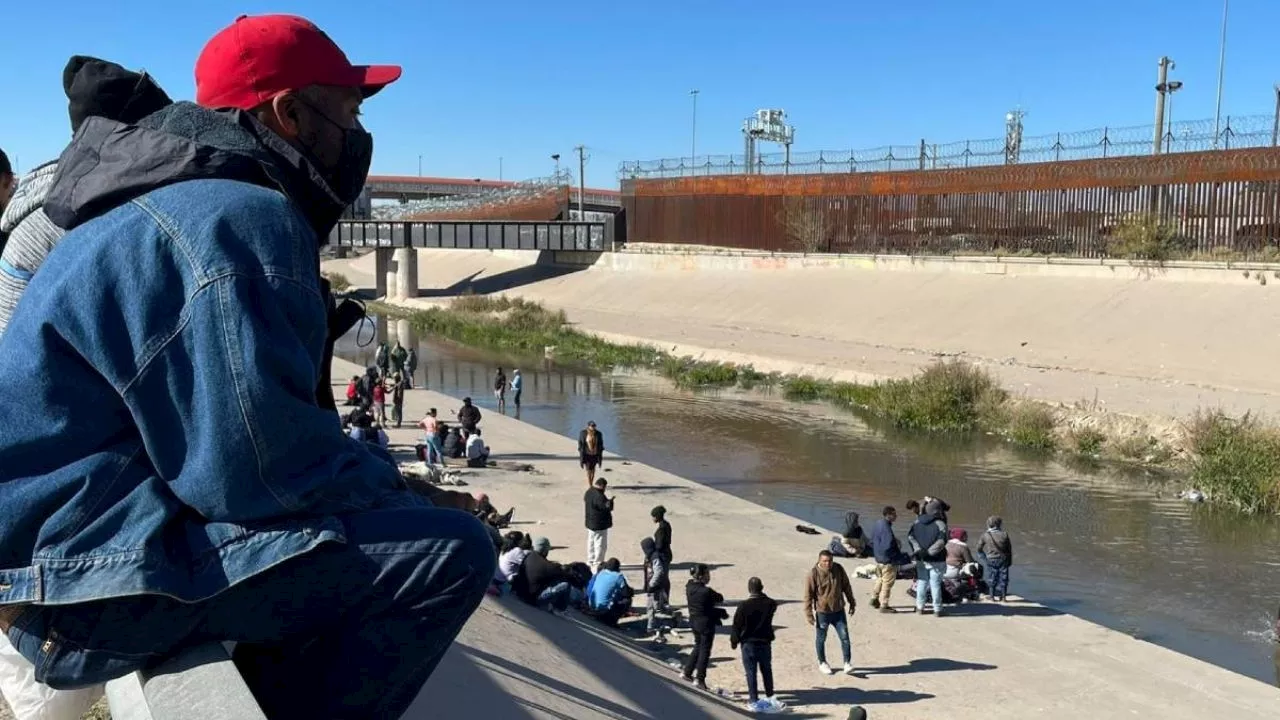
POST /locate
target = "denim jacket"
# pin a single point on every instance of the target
(159, 432)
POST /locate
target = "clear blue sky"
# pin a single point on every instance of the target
(522, 80)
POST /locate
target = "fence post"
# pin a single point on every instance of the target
(1105, 142)
(923, 154)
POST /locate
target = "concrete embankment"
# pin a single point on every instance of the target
(1016, 661)
(1144, 341)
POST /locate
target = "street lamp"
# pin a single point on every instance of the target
(693, 145)
(1168, 89)
(556, 158)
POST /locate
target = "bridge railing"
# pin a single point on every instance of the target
(481, 235)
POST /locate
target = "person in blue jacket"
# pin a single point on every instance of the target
(167, 472)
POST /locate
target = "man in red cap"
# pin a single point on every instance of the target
(169, 473)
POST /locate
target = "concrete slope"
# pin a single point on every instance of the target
(983, 661)
(1145, 346)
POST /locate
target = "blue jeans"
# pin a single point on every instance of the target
(557, 596)
(998, 576)
(758, 655)
(434, 451)
(930, 572)
(841, 624)
(349, 630)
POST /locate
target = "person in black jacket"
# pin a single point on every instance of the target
(662, 534)
(599, 519)
(542, 582)
(468, 415)
(591, 450)
(705, 615)
(753, 629)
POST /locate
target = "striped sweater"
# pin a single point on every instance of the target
(31, 236)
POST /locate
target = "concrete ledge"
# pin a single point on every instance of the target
(658, 256)
(201, 682)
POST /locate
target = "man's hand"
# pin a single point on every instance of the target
(809, 619)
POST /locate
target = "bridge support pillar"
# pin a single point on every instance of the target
(405, 267)
(382, 271)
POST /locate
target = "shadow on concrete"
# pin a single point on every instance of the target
(920, 665)
(685, 566)
(507, 280)
(984, 609)
(650, 488)
(657, 692)
(483, 697)
(850, 696)
(537, 456)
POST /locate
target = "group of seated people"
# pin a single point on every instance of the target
(525, 570)
(444, 441)
(361, 425)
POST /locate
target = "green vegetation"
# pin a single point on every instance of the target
(1087, 441)
(1144, 236)
(337, 281)
(1235, 461)
(1033, 425)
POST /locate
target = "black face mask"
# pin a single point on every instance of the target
(348, 177)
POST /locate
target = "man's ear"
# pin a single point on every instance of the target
(281, 115)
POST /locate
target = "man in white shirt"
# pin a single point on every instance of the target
(477, 451)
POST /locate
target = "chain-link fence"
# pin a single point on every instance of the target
(1184, 136)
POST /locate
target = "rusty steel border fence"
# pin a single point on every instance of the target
(1184, 136)
(1223, 203)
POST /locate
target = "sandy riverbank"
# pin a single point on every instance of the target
(982, 661)
(1155, 348)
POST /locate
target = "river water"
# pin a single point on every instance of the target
(1111, 547)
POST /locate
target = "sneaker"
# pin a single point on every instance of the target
(848, 668)
(701, 686)
(777, 705)
(765, 706)
(825, 669)
(875, 603)
(887, 609)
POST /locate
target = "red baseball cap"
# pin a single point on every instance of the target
(257, 58)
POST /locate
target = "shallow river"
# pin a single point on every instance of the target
(1114, 548)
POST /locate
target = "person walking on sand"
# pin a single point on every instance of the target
(753, 630)
(599, 514)
(410, 367)
(825, 591)
(591, 450)
(517, 387)
(705, 615)
(996, 551)
(500, 390)
(889, 556)
(928, 541)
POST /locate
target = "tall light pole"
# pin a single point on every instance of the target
(419, 166)
(1162, 89)
(1222, 68)
(1170, 88)
(693, 144)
